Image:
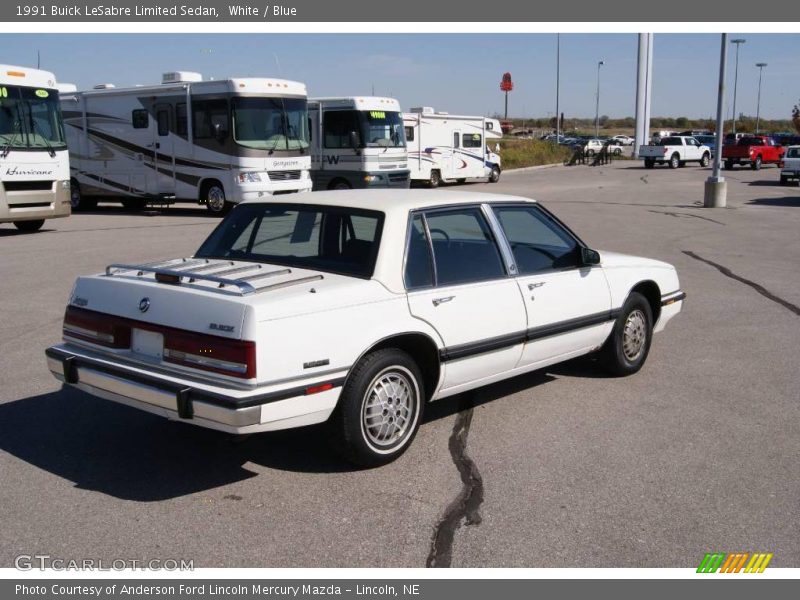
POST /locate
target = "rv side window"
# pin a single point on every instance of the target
(140, 119)
(310, 130)
(472, 140)
(409, 134)
(181, 122)
(455, 140)
(210, 119)
(337, 128)
(162, 117)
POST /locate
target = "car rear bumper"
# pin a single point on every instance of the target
(232, 410)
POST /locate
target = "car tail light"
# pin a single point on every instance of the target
(211, 353)
(95, 327)
(665, 149)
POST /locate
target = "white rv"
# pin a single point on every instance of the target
(357, 142)
(444, 147)
(215, 142)
(34, 163)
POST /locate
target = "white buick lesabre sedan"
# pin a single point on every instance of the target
(357, 308)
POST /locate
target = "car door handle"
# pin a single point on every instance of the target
(536, 284)
(438, 301)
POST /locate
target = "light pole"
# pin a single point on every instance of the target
(716, 188)
(558, 86)
(600, 63)
(758, 106)
(738, 42)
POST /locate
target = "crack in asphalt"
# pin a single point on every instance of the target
(683, 215)
(465, 506)
(757, 287)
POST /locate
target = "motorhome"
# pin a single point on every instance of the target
(357, 142)
(214, 142)
(445, 148)
(34, 163)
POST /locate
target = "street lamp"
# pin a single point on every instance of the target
(738, 42)
(600, 63)
(758, 107)
(558, 86)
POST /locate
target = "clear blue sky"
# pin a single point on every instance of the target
(459, 73)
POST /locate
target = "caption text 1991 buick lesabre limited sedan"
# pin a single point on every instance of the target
(357, 308)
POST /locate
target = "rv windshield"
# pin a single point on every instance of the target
(270, 123)
(382, 129)
(30, 118)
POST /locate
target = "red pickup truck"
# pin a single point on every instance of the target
(756, 150)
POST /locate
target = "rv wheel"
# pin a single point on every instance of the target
(215, 199)
(494, 176)
(435, 179)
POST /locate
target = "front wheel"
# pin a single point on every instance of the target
(435, 179)
(705, 160)
(494, 176)
(215, 200)
(29, 226)
(756, 164)
(379, 410)
(674, 162)
(77, 201)
(626, 349)
(728, 165)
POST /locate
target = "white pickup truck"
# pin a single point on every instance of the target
(675, 151)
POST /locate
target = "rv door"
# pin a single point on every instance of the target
(163, 151)
(457, 162)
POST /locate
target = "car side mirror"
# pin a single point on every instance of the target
(589, 257)
(354, 141)
(220, 133)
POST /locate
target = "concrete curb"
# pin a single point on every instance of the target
(536, 168)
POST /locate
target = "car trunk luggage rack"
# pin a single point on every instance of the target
(192, 270)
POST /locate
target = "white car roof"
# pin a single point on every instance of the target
(391, 201)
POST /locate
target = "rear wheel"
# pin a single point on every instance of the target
(728, 165)
(705, 160)
(76, 200)
(626, 349)
(617, 151)
(435, 179)
(29, 225)
(675, 161)
(649, 163)
(339, 184)
(380, 408)
(214, 197)
(494, 176)
(756, 164)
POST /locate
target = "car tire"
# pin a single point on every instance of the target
(215, 201)
(728, 165)
(704, 162)
(435, 179)
(649, 163)
(134, 204)
(756, 164)
(494, 176)
(77, 201)
(384, 387)
(626, 349)
(29, 226)
(617, 151)
(674, 161)
(590, 152)
(339, 184)
(784, 180)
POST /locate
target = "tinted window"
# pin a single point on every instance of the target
(793, 153)
(181, 123)
(337, 128)
(463, 247)
(210, 118)
(419, 266)
(671, 141)
(140, 119)
(339, 240)
(472, 140)
(409, 134)
(538, 242)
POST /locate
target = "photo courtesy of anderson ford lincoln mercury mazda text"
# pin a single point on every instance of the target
(352, 307)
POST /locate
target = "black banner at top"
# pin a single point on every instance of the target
(441, 11)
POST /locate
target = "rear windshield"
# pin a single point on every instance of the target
(793, 153)
(325, 238)
(745, 141)
(670, 141)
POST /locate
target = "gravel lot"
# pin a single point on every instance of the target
(563, 468)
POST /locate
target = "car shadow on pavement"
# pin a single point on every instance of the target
(170, 211)
(791, 201)
(133, 455)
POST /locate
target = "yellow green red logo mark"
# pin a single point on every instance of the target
(735, 562)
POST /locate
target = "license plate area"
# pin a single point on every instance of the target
(149, 344)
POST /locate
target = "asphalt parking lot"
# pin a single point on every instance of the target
(561, 468)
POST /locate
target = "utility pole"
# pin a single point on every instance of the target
(760, 66)
(600, 63)
(716, 188)
(644, 87)
(558, 87)
(738, 42)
